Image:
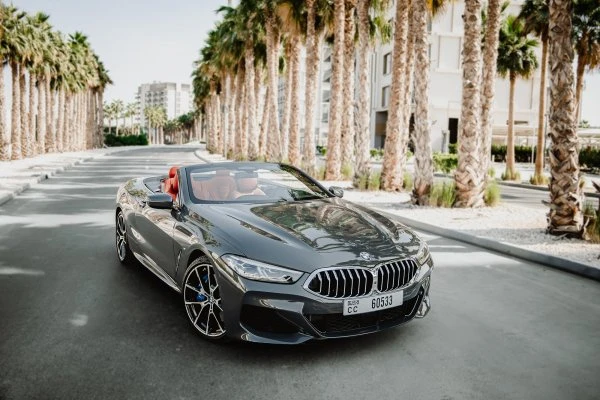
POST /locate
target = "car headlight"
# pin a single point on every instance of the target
(423, 253)
(259, 271)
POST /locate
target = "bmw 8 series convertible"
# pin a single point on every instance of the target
(264, 253)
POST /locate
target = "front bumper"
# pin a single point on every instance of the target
(289, 314)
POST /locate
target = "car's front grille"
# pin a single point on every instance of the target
(342, 283)
(394, 275)
(336, 324)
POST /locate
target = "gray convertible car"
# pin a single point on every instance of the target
(262, 252)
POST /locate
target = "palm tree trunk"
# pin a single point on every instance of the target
(264, 126)
(15, 114)
(294, 138)
(362, 168)
(510, 141)
(33, 146)
(312, 72)
(25, 131)
(490, 55)
(42, 126)
(248, 137)
(231, 122)
(334, 160)
(581, 63)
(4, 139)
(226, 96)
(391, 175)
(469, 182)
(347, 137)
(287, 99)
(258, 108)
(60, 131)
(50, 133)
(273, 152)
(408, 91)
(422, 138)
(69, 120)
(565, 214)
(242, 112)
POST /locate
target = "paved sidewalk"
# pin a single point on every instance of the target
(17, 176)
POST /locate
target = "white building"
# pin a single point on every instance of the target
(175, 98)
(445, 86)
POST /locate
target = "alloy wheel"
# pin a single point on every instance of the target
(202, 299)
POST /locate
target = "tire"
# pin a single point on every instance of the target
(202, 300)
(124, 253)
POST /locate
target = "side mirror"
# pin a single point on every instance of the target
(336, 191)
(160, 200)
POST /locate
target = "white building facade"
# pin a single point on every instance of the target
(445, 86)
(175, 98)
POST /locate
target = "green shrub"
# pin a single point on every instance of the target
(511, 176)
(522, 153)
(407, 182)
(592, 220)
(491, 172)
(492, 194)
(322, 150)
(589, 157)
(376, 153)
(444, 162)
(453, 148)
(443, 195)
(131, 140)
(374, 180)
(347, 171)
(539, 180)
(362, 182)
(320, 175)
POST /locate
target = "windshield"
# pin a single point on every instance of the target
(250, 182)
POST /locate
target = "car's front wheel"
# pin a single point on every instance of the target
(202, 299)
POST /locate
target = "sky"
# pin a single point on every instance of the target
(139, 41)
(142, 41)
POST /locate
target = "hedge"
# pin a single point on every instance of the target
(589, 157)
(445, 162)
(130, 140)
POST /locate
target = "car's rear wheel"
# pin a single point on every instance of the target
(123, 251)
(202, 299)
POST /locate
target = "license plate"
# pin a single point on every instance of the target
(373, 303)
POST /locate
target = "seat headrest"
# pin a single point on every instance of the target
(173, 172)
(174, 184)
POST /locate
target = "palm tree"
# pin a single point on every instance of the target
(131, 111)
(565, 216)
(119, 108)
(535, 14)
(516, 59)
(586, 35)
(347, 133)
(14, 48)
(362, 168)
(468, 178)
(391, 174)
(491, 25)
(334, 159)
(293, 17)
(422, 10)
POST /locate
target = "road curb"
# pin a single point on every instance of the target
(555, 262)
(44, 176)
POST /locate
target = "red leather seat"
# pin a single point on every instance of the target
(171, 183)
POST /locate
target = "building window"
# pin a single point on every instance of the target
(387, 63)
(385, 96)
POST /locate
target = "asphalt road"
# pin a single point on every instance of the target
(75, 324)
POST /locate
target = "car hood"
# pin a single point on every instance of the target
(308, 235)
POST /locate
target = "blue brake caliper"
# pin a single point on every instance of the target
(200, 296)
